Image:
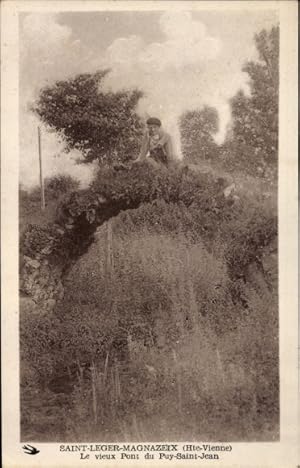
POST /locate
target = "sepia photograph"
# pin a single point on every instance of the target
(149, 239)
(148, 252)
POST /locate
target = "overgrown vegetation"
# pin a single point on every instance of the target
(254, 140)
(150, 343)
(168, 327)
(251, 143)
(169, 284)
(197, 129)
(103, 125)
(56, 188)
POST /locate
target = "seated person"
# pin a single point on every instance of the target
(156, 144)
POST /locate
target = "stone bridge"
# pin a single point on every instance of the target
(46, 253)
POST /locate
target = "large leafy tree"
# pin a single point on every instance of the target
(197, 128)
(254, 136)
(103, 125)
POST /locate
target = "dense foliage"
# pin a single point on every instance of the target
(197, 129)
(103, 125)
(169, 284)
(54, 187)
(114, 191)
(164, 285)
(253, 143)
(140, 309)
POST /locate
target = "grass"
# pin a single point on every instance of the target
(30, 211)
(149, 342)
(158, 351)
(196, 391)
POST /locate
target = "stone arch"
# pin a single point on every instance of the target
(46, 253)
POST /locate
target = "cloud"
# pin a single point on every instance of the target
(184, 71)
(188, 68)
(48, 53)
(189, 36)
(42, 31)
(187, 43)
(55, 160)
(124, 50)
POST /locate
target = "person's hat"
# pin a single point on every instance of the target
(154, 121)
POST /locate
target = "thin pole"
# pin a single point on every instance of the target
(41, 172)
(110, 258)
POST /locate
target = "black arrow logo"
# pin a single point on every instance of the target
(30, 450)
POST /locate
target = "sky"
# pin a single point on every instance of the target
(181, 60)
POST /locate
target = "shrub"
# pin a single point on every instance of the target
(197, 129)
(158, 326)
(215, 216)
(40, 338)
(103, 125)
(55, 187)
(145, 291)
(253, 142)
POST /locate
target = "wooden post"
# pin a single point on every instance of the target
(110, 255)
(41, 171)
(110, 264)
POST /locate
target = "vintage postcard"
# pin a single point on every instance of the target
(149, 233)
